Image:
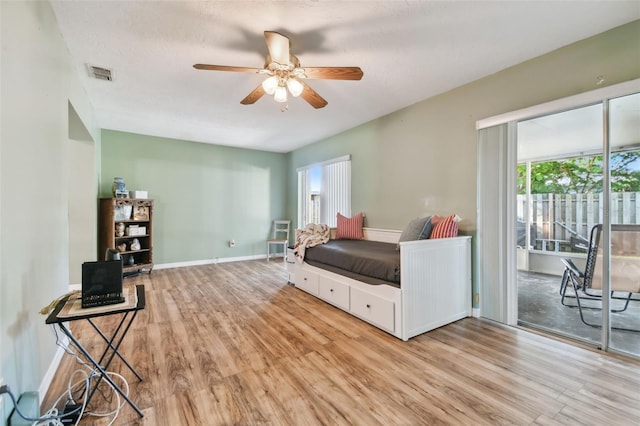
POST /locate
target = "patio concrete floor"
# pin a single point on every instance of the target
(539, 304)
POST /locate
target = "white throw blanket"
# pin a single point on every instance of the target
(309, 236)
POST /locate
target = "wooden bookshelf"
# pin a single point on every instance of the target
(121, 222)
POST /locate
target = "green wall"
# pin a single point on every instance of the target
(38, 83)
(204, 194)
(422, 159)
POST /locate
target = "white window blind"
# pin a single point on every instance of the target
(324, 189)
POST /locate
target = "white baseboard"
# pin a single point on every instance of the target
(475, 313)
(208, 261)
(51, 371)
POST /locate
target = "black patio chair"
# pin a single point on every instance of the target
(625, 271)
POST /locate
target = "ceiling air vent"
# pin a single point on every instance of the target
(100, 73)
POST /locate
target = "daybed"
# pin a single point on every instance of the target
(434, 285)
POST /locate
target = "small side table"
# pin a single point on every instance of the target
(67, 311)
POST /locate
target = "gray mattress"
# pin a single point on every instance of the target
(372, 262)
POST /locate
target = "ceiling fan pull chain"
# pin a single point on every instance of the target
(284, 107)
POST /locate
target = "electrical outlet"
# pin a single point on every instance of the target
(232, 243)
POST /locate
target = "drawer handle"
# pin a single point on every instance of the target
(331, 290)
(305, 278)
(368, 305)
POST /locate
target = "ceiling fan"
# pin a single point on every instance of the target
(286, 75)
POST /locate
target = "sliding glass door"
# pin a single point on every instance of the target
(559, 201)
(558, 241)
(624, 131)
(569, 191)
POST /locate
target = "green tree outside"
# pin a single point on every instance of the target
(581, 175)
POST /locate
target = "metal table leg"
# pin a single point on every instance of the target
(115, 348)
(103, 372)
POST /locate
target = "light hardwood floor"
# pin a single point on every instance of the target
(234, 344)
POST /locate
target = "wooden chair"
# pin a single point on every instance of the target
(280, 236)
(624, 270)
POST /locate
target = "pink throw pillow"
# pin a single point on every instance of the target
(349, 228)
(436, 220)
(446, 228)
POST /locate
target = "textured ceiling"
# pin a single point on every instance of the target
(408, 50)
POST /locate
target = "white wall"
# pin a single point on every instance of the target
(83, 193)
(37, 84)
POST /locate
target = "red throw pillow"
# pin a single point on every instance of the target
(446, 228)
(349, 228)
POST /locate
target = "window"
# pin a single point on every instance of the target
(324, 189)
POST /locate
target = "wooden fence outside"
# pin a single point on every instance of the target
(555, 216)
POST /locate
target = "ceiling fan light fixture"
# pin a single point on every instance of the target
(270, 85)
(295, 87)
(281, 94)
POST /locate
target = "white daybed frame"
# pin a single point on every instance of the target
(435, 286)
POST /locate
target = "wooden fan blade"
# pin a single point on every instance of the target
(333, 73)
(311, 96)
(253, 96)
(225, 68)
(278, 46)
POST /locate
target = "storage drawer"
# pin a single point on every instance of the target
(372, 308)
(307, 281)
(334, 292)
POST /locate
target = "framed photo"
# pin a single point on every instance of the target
(122, 212)
(141, 213)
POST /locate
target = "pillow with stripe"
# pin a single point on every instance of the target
(446, 228)
(349, 228)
